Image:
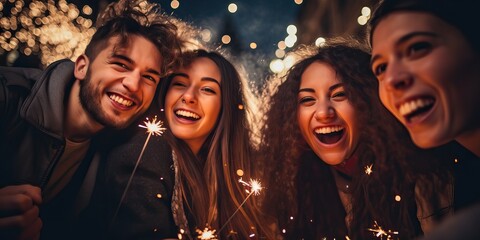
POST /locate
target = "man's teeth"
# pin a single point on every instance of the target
(184, 113)
(411, 106)
(120, 100)
(325, 130)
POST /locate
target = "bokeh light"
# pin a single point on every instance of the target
(206, 35)
(290, 40)
(292, 29)
(280, 53)
(362, 20)
(226, 39)
(320, 41)
(175, 4)
(52, 29)
(276, 65)
(232, 7)
(366, 11)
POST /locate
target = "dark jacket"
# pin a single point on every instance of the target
(32, 104)
(145, 212)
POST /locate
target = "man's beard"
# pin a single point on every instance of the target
(90, 99)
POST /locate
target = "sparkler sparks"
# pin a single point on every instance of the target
(207, 234)
(154, 127)
(255, 186)
(380, 233)
(368, 169)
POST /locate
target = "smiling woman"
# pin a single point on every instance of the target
(426, 56)
(341, 173)
(428, 69)
(193, 102)
(210, 138)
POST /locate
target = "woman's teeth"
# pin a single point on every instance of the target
(325, 130)
(188, 114)
(409, 107)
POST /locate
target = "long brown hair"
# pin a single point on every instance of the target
(209, 181)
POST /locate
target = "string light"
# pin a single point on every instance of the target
(53, 29)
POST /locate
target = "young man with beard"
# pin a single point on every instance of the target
(51, 121)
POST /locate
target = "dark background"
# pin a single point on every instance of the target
(263, 22)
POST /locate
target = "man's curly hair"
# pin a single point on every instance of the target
(138, 17)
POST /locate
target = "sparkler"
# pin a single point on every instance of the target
(153, 127)
(368, 169)
(254, 189)
(380, 233)
(207, 234)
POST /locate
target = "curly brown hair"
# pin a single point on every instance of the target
(302, 194)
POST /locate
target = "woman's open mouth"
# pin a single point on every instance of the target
(187, 115)
(329, 135)
(416, 108)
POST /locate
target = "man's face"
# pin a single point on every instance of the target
(121, 82)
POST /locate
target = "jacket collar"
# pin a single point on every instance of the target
(45, 106)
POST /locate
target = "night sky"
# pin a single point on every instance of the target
(261, 21)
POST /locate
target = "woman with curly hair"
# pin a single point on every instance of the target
(334, 156)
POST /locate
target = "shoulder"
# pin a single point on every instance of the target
(15, 86)
(21, 77)
(464, 225)
(434, 200)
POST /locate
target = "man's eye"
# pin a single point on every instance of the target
(150, 78)
(120, 65)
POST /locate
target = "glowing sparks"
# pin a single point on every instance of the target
(368, 169)
(380, 233)
(254, 188)
(254, 185)
(154, 127)
(207, 234)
